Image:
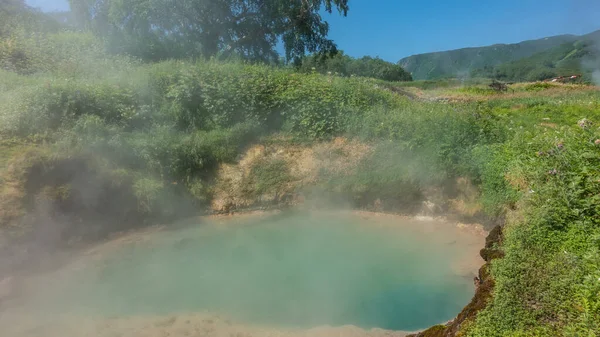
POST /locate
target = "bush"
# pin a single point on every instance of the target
(343, 65)
(46, 107)
(539, 86)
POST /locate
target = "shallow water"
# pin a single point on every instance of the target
(295, 270)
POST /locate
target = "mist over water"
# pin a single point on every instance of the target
(295, 270)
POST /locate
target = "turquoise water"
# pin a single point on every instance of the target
(293, 270)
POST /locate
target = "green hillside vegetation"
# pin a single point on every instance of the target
(94, 142)
(462, 62)
(345, 65)
(579, 58)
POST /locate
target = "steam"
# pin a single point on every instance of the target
(584, 13)
(464, 76)
(596, 76)
(595, 61)
(591, 63)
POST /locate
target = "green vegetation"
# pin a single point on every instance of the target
(99, 142)
(573, 58)
(268, 176)
(249, 29)
(460, 63)
(443, 83)
(526, 61)
(343, 65)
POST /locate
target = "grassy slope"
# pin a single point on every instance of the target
(155, 134)
(548, 283)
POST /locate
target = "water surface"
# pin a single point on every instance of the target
(298, 270)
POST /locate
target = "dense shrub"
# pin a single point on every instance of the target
(344, 65)
(539, 86)
(42, 107)
(198, 96)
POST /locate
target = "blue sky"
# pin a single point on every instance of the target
(393, 29)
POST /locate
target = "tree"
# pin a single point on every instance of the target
(251, 29)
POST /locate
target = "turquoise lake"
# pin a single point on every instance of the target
(297, 270)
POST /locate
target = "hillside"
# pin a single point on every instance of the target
(462, 62)
(579, 57)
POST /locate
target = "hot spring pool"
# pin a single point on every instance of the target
(296, 270)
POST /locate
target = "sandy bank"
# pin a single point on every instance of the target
(195, 325)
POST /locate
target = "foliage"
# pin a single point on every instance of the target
(343, 65)
(19, 25)
(169, 125)
(539, 86)
(203, 95)
(543, 284)
(250, 29)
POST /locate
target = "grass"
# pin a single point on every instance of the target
(270, 175)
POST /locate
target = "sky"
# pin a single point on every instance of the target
(393, 29)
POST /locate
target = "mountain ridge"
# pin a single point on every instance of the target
(461, 62)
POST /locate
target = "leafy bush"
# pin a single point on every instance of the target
(44, 107)
(343, 65)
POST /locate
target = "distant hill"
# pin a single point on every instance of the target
(579, 57)
(462, 62)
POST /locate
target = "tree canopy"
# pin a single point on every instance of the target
(345, 65)
(250, 29)
(21, 28)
